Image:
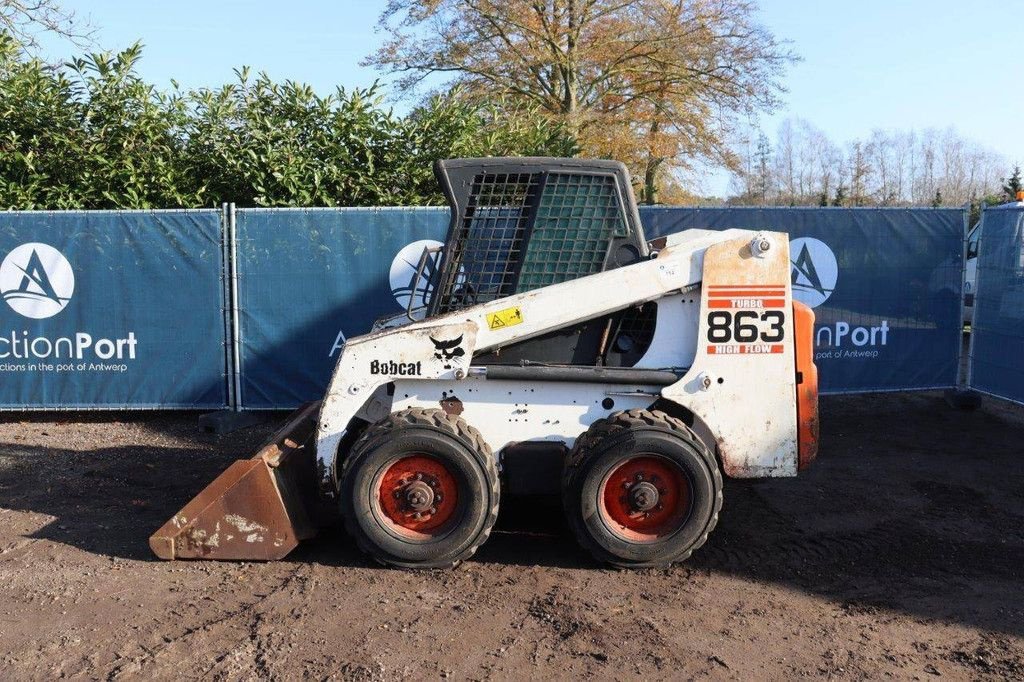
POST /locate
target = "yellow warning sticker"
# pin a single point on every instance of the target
(509, 317)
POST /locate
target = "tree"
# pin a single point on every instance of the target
(859, 171)
(92, 134)
(656, 83)
(889, 168)
(1013, 185)
(24, 20)
(840, 198)
(762, 168)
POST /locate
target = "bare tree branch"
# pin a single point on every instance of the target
(26, 21)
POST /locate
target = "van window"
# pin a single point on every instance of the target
(972, 241)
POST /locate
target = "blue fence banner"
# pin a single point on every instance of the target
(310, 278)
(126, 309)
(116, 309)
(997, 328)
(885, 285)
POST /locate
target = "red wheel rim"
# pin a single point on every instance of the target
(645, 498)
(417, 496)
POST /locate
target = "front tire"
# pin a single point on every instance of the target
(420, 489)
(641, 490)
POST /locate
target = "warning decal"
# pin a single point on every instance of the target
(509, 317)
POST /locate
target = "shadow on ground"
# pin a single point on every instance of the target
(912, 506)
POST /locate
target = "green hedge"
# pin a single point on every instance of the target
(92, 134)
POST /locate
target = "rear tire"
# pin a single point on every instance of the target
(420, 489)
(641, 489)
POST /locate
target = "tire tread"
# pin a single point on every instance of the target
(611, 426)
(453, 425)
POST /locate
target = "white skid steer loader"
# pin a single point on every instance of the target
(557, 351)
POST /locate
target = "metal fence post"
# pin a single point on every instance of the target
(236, 340)
(961, 379)
(225, 279)
(977, 298)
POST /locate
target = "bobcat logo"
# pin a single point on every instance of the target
(446, 351)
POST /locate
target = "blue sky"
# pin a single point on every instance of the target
(866, 64)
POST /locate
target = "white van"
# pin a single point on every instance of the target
(971, 273)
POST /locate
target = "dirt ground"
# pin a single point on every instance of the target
(899, 554)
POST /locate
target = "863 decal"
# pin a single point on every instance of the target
(746, 319)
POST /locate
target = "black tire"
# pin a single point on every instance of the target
(445, 439)
(616, 442)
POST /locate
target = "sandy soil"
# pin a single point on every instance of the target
(899, 554)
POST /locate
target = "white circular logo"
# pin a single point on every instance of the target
(404, 284)
(36, 280)
(814, 270)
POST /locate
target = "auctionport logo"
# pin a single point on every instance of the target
(815, 271)
(404, 284)
(36, 280)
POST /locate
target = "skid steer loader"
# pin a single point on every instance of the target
(557, 348)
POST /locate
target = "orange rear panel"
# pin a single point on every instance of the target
(807, 386)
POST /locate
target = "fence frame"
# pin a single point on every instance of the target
(977, 289)
(977, 297)
(230, 277)
(145, 407)
(962, 376)
(236, 350)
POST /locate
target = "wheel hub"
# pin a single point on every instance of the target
(417, 495)
(643, 496)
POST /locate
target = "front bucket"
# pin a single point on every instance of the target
(256, 509)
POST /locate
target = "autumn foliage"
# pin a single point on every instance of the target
(659, 84)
